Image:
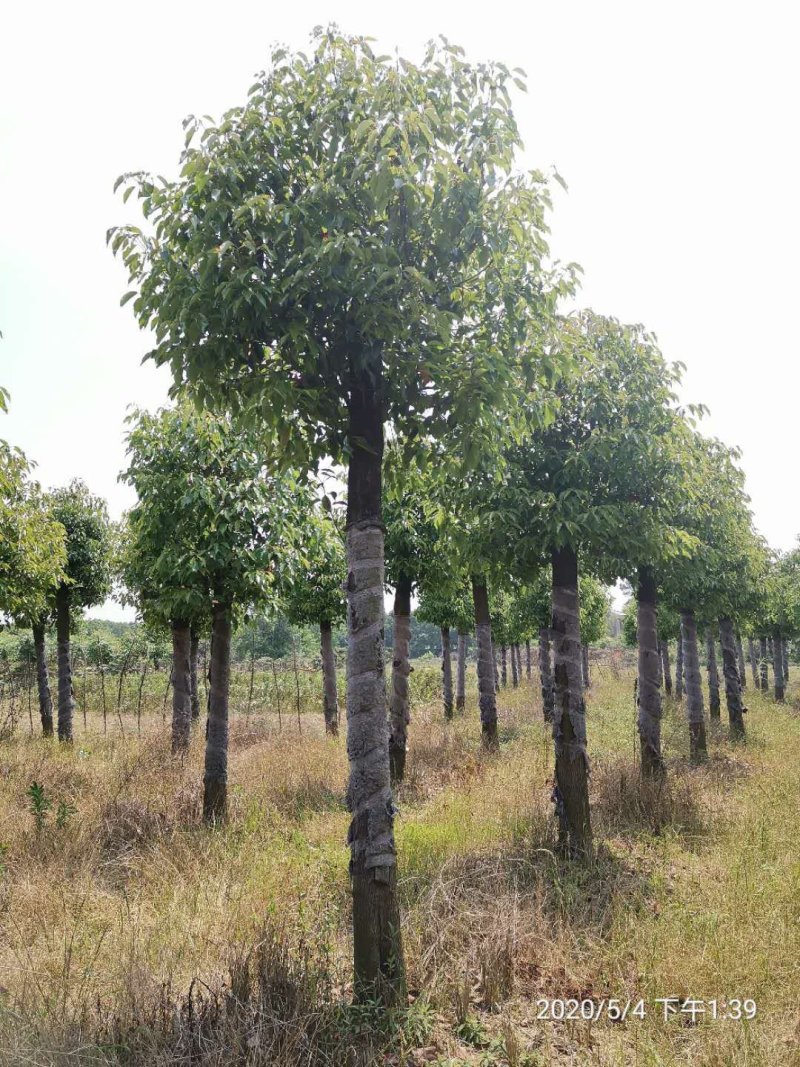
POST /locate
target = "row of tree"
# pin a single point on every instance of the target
(350, 269)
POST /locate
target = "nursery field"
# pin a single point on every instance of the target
(129, 932)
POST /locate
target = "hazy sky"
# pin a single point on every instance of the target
(675, 126)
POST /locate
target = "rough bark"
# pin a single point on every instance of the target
(495, 667)
(649, 674)
(679, 669)
(66, 703)
(518, 649)
(487, 701)
(461, 672)
(730, 672)
(42, 680)
(215, 779)
(785, 650)
(695, 710)
(751, 653)
(777, 670)
(546, 674)
(377, 947)
(571, 791)
(514, 667)
(740, 662)
(528, 660)
(764, 664)
(504, 666)
(330, 697)
(194, 650)
(713, 676)
(447, 673)
(181, 686)
(666, 669)
(587, 678)
(399, 714)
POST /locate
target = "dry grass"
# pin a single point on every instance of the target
(130, 934)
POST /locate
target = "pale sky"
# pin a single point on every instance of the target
(674, 125)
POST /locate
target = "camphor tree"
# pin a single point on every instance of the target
(312, 593)
(444, 601)
(713, 583)
(210, 525)
(32, 562)
(87, 576)
(586, 486)
(594, 603)
(352, 247)
(780, 610)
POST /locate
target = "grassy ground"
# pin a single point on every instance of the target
(130, 934)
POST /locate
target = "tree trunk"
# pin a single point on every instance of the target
(496, 668)
(194, 647)
(694, 691)
(679, 668)
(514, 668)
(379, 971)
(330, 698)
(503, 666)
(461, 672)
(399, 714)
(42, 681)
(713, 676)
(181, 686)
(518, 647)
(587, 678)
(447, 673)
(751, 652)
(486, 682)
(730, 671)
(649, 674)
(785, 650)
(528, 659)
(546, 674)
(764, 661)
(740, 661)
(215, 795)
(66, 703)
(777, 669)
(571, 791)
(665, 668)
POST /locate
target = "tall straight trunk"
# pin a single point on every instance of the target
(751, 653)
(528, 659)
(66, 703)
(504, 666)
(777, 669)
(587, 678)
(666, 670)
(215, 780)
(679, 668)
(518, 648)
(695, 710)
(181, 686)
(496, 667)
(399, 714)
(514, 668)
(447, 673)
(713, 676)
(740, 662)
(194, 692)
(461, 672)
(546, 674)
(487, 701)
(377, 947)
(42, 681)
(571, 791)
(649, 673)
(330, 697)
(764, 664)
(771, 650)
(785, 650)
(730, 671)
